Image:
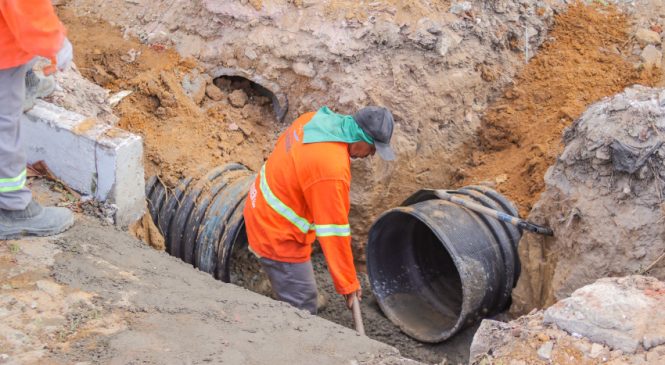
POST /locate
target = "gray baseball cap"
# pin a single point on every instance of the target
(378, 123)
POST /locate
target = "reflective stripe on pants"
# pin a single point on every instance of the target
(13, 194)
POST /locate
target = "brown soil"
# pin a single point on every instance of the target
(584, 61)
(184, 136)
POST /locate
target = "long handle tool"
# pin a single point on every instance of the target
(357, 316)
(521, 223)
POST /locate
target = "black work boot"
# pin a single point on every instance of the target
(34, 220)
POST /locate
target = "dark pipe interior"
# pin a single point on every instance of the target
(414, 275)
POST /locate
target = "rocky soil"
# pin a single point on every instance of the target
(436, 65)
(603, 199)
(617, 321)
(592, 52)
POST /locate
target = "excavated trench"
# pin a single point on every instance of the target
(186, 139)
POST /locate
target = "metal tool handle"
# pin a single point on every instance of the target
(521, 223)
(357, 316)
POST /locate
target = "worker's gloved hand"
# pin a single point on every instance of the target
(349, 297)
(65, 55)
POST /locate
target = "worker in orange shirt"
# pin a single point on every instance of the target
(28, 28)
(302, 194)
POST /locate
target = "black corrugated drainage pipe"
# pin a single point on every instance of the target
(202, 220)
(436, 267)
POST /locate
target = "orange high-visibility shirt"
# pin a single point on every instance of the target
(313, 180)
(28, 28)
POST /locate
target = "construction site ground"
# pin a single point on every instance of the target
(97, 294)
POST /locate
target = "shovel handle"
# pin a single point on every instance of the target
(357, 316)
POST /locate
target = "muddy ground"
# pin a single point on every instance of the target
(246, 272)
(95, 295)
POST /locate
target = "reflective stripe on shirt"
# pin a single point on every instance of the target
(322, 230)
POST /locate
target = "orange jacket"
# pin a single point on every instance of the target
(28, 28)
(314, 181)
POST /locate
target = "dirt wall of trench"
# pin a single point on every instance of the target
(436, 65)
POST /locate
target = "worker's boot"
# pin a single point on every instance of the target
(34, 220)
(36, 86)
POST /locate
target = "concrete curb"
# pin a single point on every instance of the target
(91, 157)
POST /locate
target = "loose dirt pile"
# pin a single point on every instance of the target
(190, 123)
(588, 56)
(603, 199)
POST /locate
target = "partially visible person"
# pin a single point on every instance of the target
(28, 28)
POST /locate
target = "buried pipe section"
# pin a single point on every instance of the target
(436, 267)
(201, 221)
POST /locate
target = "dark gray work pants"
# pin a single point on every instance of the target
(13, 193)
(292, 283)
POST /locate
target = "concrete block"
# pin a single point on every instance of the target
(91, 157)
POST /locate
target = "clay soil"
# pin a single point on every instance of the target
(185, 134)
(587, 58)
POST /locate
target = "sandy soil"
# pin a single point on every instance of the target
(587, 58)
(96, 295)
(186, 132)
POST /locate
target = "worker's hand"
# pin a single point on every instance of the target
(349, 297)
(65, 55)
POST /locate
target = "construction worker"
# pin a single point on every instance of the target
(302, 194)
(28, 28)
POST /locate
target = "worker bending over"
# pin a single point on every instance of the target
(28, 28)
(302, 194)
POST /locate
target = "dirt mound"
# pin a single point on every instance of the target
(585, 59)
(189, 123)
(604, 201)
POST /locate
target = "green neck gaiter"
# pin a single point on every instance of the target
(327, 126)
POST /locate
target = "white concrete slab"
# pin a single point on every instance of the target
(91, 157)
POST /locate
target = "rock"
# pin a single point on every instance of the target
(646, 36)
(545, 351)
(304, 69)
(214, 93)
(461, 7)
(599, 352)
(595, 204)
(651, 56)
(194, 85)
(238, 98)
(618, 312)
(488, 336)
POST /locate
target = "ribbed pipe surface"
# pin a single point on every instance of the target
(436, 267)
(202, 220)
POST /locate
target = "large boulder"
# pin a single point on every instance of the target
(604, 200)
(613, 321)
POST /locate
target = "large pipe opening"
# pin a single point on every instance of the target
(414, 276)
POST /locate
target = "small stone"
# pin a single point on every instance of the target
(599, 351)
(646, 36)
(233, 127)
(543, 337)
(304, 69)
(545, 351)
(214, 93)
(461, 7)
(651, 56)
(238, 98)
(4, 358)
